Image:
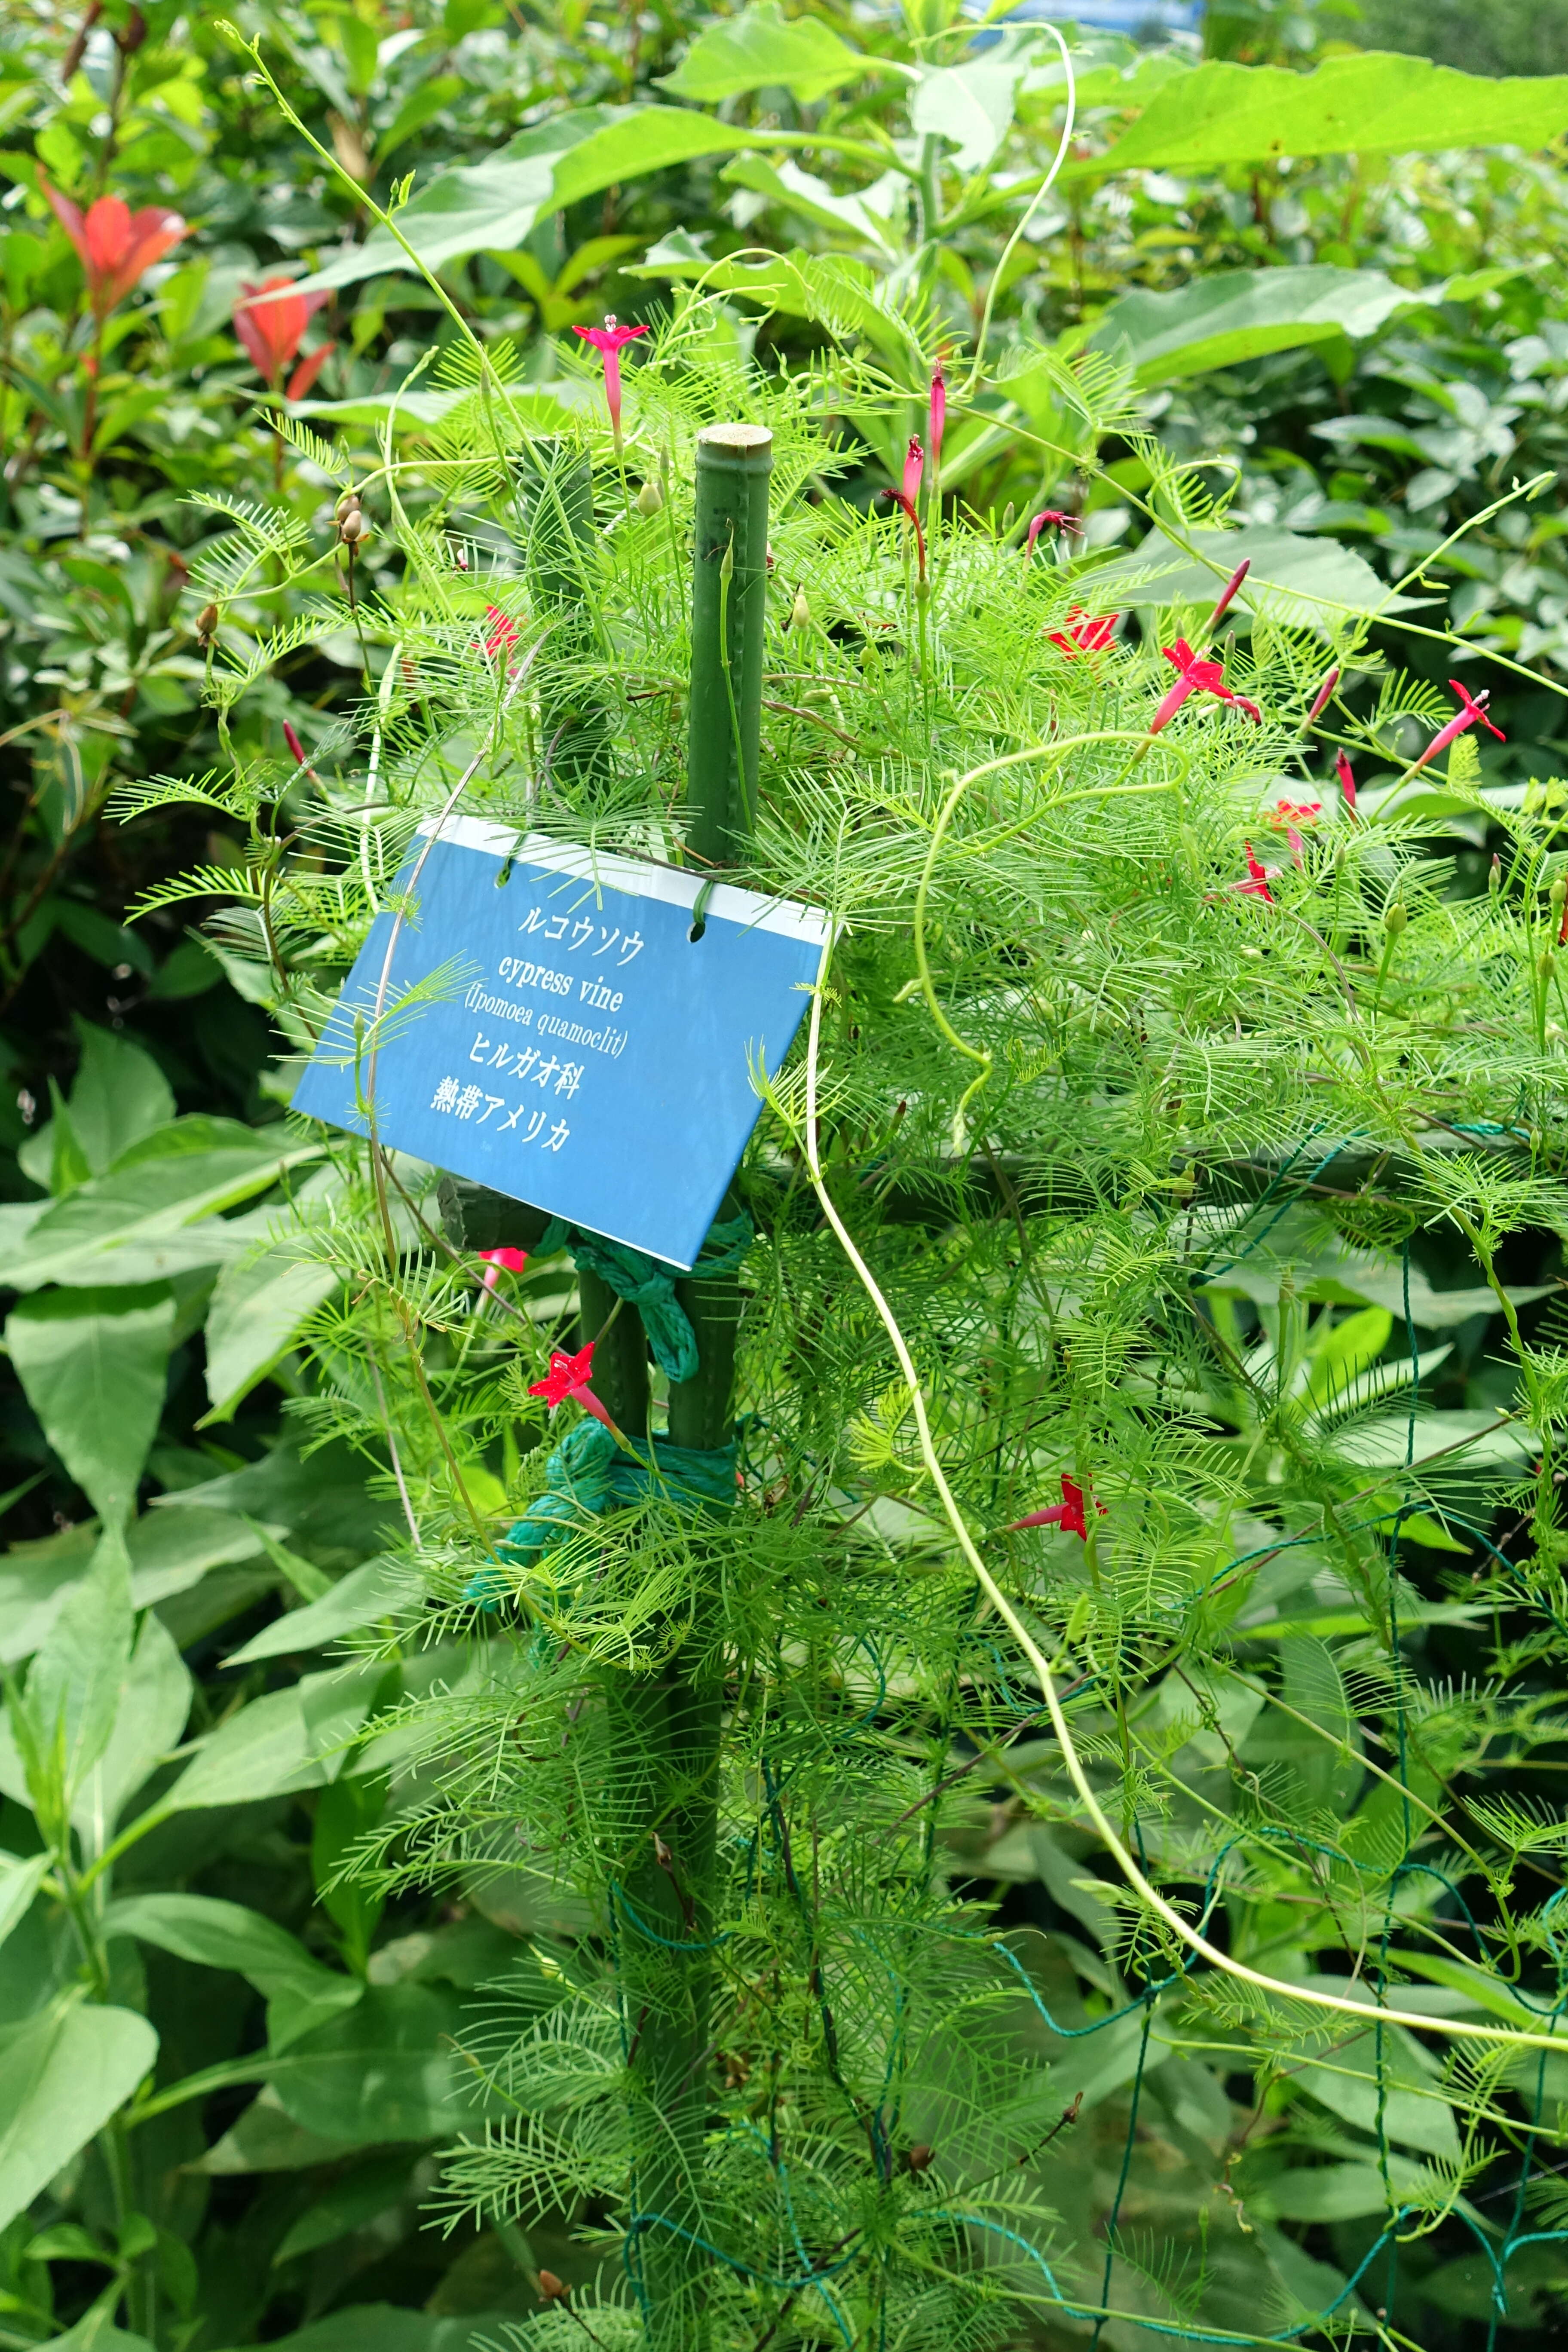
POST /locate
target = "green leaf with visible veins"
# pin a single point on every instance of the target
(94, 1366)
(62, 2075)
(762, 50)
(1371, 104)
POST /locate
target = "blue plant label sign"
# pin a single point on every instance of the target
(539, 1018)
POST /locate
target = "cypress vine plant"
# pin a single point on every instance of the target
(1027, 1816)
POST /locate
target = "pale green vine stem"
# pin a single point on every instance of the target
(1042, 191)
(253, 51)
(1277, 1986)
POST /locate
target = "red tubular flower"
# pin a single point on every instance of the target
(914, 466)
(1086, 633)
(1050, 519)
(938, 419)
(512, 1261)
(1472, 708)
(116, 245)
(568, 1377)
(1320, 699)
(1228, 593)
(609, 340)
(270, 324)
(1286, 816)
(1257, 884)
(1196, 675)
(1346, 775)
(1067, 1515)
(291, 737)
(901, 499)
(502, 634)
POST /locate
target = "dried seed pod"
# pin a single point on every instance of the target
(207, 624)
(353, 529)
(920, 2157)
(553, 2289)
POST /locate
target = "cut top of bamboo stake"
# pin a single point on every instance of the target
(729, 595)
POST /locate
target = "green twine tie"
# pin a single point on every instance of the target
(648, 1284)
(588, 1475)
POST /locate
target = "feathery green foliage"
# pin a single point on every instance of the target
(1135, 1093)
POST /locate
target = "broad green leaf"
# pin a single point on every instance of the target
(52, 1156)
(1371, 104)
(422, 106)
(300, 1991)
(293, 1738)
(385, 2071)
(62, 1722)
(970, 105)
(19, 1882)
(470, 207)
(1298, 581)
(315, 1498)
(1336, 2192)
(467, 1952)
(392, 2327)
(95, 2331)
(150, 1720)
(869, 216)
(640, 140)
(257, 1307)
(1468, 1441)
(156, 1190)
(62, 2075)
(1215, 322)
(1342, 1276)
(94, 1366)
(170, 1551)
(348, 2205)
(1414, 2111)
(382, 1588)
(1466, 2289)
(119, 1096)
(263, 2138)
(475, 208)
(762, 50)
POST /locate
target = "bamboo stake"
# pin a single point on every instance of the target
(667, 1728)
(729, 595)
